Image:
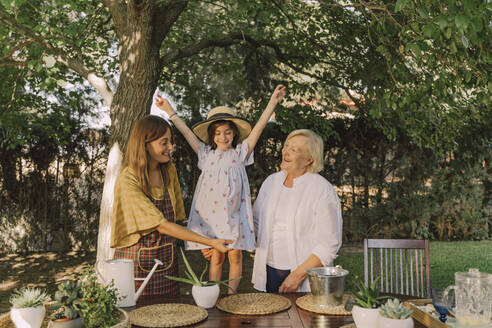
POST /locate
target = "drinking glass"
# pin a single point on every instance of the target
(439, 304)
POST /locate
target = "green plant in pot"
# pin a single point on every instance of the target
(98, 303)
(394, 314)
(67, 299)
(366, 301)
(205, 293)
(28, 307)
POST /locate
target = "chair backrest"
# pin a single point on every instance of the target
(401, 265)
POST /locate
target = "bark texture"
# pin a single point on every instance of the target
(141, 27)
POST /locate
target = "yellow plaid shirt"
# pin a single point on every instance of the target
(134, 215)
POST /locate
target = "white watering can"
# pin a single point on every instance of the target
(121, 271)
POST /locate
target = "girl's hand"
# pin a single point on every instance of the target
(163, 104)
(278, 93)
(207, 253)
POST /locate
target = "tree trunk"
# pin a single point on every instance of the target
(139, 74)
(8, 165)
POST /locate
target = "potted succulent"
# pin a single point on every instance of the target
(68, 298)
(205, 293)
(365, 305)
(394, 314)
(28, 307)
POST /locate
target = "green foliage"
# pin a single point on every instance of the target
(68, 299)
(98, 305)
(28, 297)
(418, 74)
(193, 279)
(393, 309)
(368, 297)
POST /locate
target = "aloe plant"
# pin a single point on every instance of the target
(368, 297)
(28, 297)
(393, 309)
(193, 279)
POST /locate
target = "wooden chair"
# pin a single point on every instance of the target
(400, 264)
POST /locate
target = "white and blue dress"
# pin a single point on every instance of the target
(221, 206)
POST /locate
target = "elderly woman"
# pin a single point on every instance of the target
(298, 218)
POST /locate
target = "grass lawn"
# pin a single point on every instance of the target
(446, 258)
(47, 269)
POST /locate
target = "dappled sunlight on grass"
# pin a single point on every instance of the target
(8, 284)
(38, 269)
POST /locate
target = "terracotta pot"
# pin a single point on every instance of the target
(31, 317)
(365, 318)
(205, 296)
(66, 323)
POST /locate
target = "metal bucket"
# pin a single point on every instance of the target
(327, 284)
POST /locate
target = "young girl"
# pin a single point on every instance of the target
(221, 206)
(147, 202)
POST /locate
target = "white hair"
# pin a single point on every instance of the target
(314, 148)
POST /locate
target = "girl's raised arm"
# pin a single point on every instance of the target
(163, 104)
(253, 137)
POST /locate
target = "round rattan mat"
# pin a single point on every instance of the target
(306, 303)
(167, 315)
(254, 303)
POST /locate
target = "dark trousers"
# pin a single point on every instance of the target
(275, 278)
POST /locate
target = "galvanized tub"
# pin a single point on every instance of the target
(327, 285)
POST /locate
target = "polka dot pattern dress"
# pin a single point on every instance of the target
(221, 206)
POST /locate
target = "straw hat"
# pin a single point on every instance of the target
(218, 114)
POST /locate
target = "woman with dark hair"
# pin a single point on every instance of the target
(147, 203)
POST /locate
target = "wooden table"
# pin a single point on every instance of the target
(293, 317)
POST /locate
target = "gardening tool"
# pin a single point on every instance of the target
(121, 272)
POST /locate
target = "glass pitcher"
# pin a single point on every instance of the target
(473, 299)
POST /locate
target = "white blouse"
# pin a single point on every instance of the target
(315, 226)
(278, 258)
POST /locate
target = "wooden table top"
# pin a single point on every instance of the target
(293, 317)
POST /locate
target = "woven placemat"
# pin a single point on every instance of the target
(167, 315)
(350, 325)
(306, 303)
(254, 303)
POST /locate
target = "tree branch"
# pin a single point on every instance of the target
(169, 14)
(223, 41)
(60, 55)
(195, 48)
(119, 13)
(14, 49)
(11, 62)
(370, 5)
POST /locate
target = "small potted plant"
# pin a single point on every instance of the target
(205, 293)
(98, 303)
(365, 306)
(28, 307)
(68, 298)
(394, 314)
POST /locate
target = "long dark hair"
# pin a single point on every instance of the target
(211, 132)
